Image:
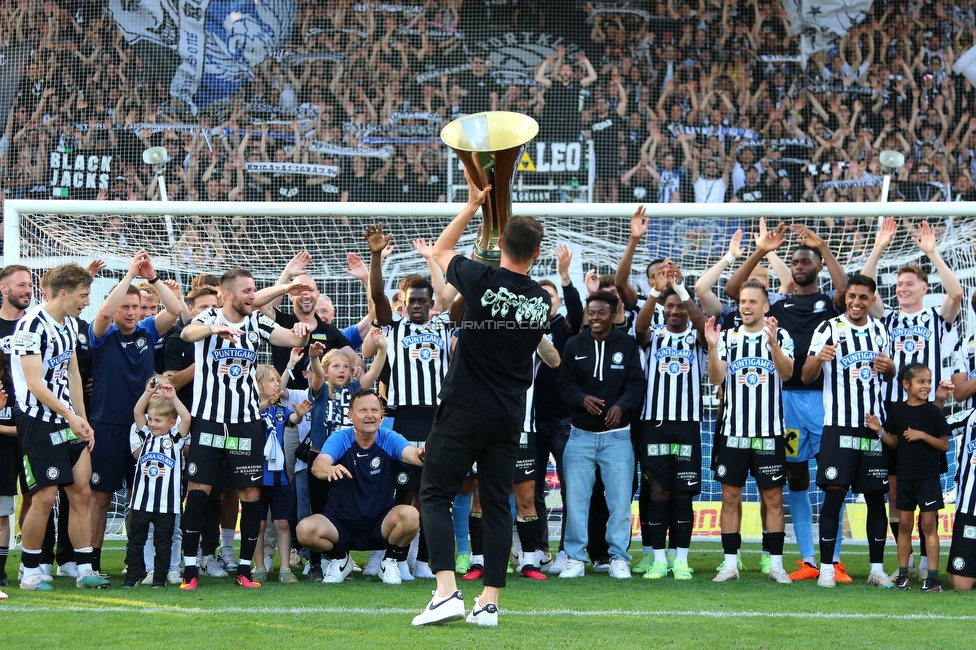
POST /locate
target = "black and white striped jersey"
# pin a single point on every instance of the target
(852, 388)
(753, 388)
(418, 355)
(157, 485)
(38, 333)
(674, 366)
(915, 338)
(224, 388)
(966, 477)
(965, 361)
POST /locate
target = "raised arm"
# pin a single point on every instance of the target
(370, 376)
(378, 301)
(621, 280)
(882, 239)
(710, 303)
(103, 320)
(953, 290)
(716, 366)
(444, 246)
(838, 277)
(766, 244)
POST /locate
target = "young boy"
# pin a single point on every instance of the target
(157, 488)
(918, 429)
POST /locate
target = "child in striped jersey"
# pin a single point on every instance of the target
(158, 446)
(277, 493)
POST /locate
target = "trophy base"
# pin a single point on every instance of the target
(492, 258)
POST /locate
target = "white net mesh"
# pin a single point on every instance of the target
(266, 243)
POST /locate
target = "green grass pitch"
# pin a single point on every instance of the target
(592, 612)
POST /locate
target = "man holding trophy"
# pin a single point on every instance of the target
(483, 396)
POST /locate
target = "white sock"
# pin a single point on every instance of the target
(681, 554)
(812, 561)
(227, 537)
(731, 561)
(923, 564)
(836, 557)
(775, 562)
(826, 569)
(47, 568)
(84, 569)
(189, 560)
(660, 555)
(647, 550)
(911, 561)
(478, 560)
(877, 567)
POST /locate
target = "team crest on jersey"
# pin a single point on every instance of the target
(674, 367)
(82, 338)
(863, 373)
(53, 473)
(96, 478)
(908, 346)
(752, 379)
(280, 416)
(690, 339)
(234, 369)
(830, 473)
(141, 342)
(819, 306)
(375, 463)
(252, 336)
(879, 341)
(924, 318)
(154, 471)
(721, 470)
(617, 357)
(425, 353)
(191, 469)
(401, 478)
(167, 443)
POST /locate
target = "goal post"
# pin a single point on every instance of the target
(262, 237)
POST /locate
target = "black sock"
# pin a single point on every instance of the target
(97, 559)
(85, 558)
(335, 554)
(894, 529)
(30, 560)
(398, 553)
(423, 555)
(765, 543)
(476, 529)
(314, 558)
(829, 518)
(876, 529)
(252, 514)
(196, 503)
(4, 550)
(933, 575)
(775, 543)
(527, 532)
(682, 522)
(731, 542)
(644, 510)
(657, 524)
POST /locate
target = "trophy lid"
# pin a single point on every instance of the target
(489, 131)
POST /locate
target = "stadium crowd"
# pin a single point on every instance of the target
(684, 102)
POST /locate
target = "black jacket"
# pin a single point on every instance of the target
(608, 369)
(549, 403)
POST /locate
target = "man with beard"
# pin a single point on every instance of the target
(228, 431)
(800, 313)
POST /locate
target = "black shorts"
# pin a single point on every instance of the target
(281, 501)
(670, 455)
(525, 466)
(764, 458)
(414, 424)
(50, 452)
(358, 538)
(718, 442)
(112, 464)
(922, 493)
(234, 450)
(11, 464)
(854, 458)
(962, 551)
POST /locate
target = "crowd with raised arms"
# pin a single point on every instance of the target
(434, 407)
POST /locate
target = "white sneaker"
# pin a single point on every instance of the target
(559, 563)
(422, 570)
(148, 579)
(573, 569)
(405, 574)
(212, 567)
(441, 610)
(619, 569)
(68, 569)
(372, 567)
(3, 596)
(487, 615)
(544, 559)
(390, 572)
(269, 562)
(338, 570)
(173, 577)
(46, 570)
(227, 560)
(826, 579)
(780, 575)
(879, 579)
(727, 574)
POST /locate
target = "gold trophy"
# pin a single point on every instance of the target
(490, 146)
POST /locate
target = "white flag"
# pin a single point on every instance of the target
(822, 23)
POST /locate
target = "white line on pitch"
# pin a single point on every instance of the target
(534, 613)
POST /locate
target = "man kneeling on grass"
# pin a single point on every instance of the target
(362, 464)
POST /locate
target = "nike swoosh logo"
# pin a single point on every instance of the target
(344, 566)
(776, 478)
(578, 358)
(884, 482)
(928, 503)
(255, 478)
(529, 471)
(358, 455)
(692, 482)
(787, 304)
(432, 606)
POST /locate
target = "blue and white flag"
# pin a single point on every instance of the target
(217, 42)
(822, 23)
